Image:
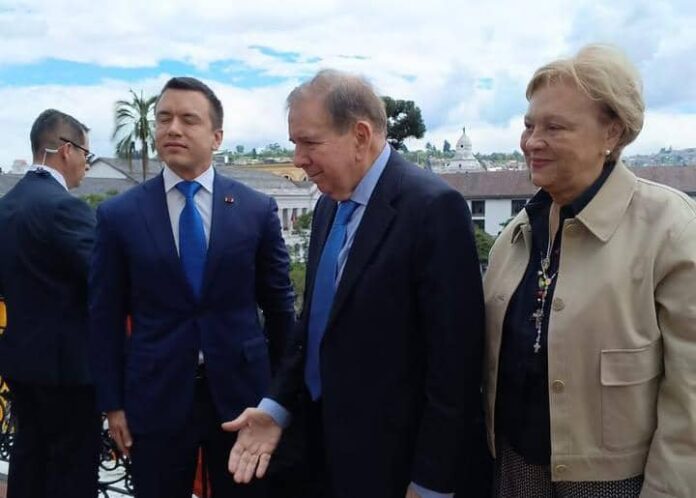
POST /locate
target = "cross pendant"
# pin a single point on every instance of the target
(537, 347)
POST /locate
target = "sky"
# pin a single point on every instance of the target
(464, 63)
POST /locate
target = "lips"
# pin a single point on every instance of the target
(536, 162)
(175, 145)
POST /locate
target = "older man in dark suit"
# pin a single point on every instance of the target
(387, 357)
(47, 237)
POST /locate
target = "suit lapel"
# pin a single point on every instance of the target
(223, 217)
(153, 204)
(377, 219)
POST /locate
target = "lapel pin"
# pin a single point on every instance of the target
(229, 199)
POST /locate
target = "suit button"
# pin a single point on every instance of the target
(558, 304)
(557, 386)
(560, 469)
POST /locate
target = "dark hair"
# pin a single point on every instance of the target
(52, 124)
(194, 85)
(347, 99)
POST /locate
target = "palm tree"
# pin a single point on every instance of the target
(134, 122)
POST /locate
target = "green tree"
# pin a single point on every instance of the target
(239, 149)
(446, 148)
(404, 120)
(134, 123)
(95, 199)
(484, 242)
(298, 267)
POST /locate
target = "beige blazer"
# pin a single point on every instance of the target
(622, 336)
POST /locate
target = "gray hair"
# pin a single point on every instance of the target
(607, 76)
(347, 99)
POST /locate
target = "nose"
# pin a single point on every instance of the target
(299, 158)
(531, 140)
(174, 128)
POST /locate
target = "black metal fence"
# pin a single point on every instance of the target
(114, 469)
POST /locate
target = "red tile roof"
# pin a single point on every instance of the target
(510, 184)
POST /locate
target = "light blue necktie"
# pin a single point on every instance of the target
(323, 294)
(192, 244)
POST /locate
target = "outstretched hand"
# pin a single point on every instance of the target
(257, 440)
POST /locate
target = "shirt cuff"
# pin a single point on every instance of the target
(277, 412)
(426, 493)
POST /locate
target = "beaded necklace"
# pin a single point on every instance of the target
(544, 282)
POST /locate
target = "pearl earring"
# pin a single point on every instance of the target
(607, 152)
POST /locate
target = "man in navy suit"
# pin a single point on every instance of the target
(386, 362)
(47, 237)
(188, 255)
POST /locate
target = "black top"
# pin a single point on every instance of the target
(522, 407)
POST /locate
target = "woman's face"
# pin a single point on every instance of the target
(565, 139)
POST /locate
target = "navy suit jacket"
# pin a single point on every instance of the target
(401, 356)
(136, 271)
(46, 236)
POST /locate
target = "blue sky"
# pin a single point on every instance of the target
(464, 63)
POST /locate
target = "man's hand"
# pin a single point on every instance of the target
(118, 429)
(412, 493)
(257, 439)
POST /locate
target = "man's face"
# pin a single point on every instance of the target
(76, 163)
(330, 158)
(184, 134)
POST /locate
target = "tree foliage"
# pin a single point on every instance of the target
(484, 242)
(134, 122)
(404, 120)
(95, 199)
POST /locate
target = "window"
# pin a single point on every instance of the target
(517, 205)
(478, 208)
(481, 224)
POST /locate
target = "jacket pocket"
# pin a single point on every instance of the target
(630, 381)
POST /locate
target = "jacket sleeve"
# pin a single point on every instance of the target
(108, 309)
(73, 234)
(669, 470)
(450, 301)
(274, 290)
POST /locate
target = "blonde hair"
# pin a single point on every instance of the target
(606, 76)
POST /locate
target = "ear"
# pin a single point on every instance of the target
(362, 131)
(64, 151)
(614, 132)
(217, 139)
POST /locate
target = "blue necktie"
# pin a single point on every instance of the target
(323, 294)
(192, 244)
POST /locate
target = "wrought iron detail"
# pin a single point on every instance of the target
(114, 469)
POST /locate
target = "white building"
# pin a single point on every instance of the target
(496, 196)
(463, 160)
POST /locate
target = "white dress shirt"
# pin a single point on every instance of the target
(53, 172)
(176, 200)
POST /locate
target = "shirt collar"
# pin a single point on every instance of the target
(171, 179)
(542, 200)
(57, 175)
(367, 185)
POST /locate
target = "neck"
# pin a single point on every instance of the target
(569, 194)
(190, 173)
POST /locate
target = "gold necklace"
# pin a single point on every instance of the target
(544, 282)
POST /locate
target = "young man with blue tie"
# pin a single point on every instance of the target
(386, 361)
(189, 255)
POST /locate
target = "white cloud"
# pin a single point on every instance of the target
(436, 53)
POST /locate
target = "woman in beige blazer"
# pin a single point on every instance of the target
(591, 303)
